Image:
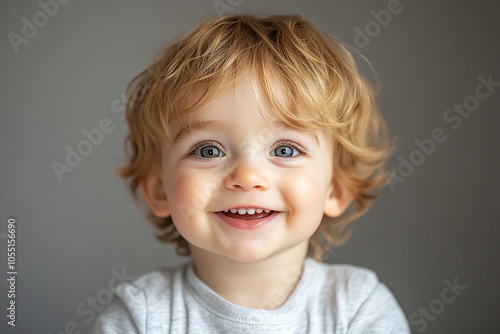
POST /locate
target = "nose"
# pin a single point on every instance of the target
(246, 175)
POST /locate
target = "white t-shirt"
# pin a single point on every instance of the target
(328, 299)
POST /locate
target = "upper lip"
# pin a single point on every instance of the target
(250, 206)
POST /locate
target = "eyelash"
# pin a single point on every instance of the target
(294, 145)
(198, 146)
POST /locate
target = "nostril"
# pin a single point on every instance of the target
(247, 177)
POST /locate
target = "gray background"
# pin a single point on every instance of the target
(442, 223)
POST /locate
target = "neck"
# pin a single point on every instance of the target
(265, 284)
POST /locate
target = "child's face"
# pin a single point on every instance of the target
(237, 159)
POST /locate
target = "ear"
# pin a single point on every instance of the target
(338, 199)
(153, 190)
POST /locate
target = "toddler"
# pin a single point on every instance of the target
(254, 142)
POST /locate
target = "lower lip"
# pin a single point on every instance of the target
(247, 224)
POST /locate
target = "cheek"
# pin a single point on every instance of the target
(185, 198)
(306, 195)
(186, 188)
(188, 192)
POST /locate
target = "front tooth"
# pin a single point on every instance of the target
(226, 210)
(267, 211)
(251, 211)
(233, 210)
(242, 211)
(258, 210)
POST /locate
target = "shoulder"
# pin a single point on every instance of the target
(360, 303)
(347, 282)
(157, 281)
(138, 302)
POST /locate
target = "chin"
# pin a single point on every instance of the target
(245, 254)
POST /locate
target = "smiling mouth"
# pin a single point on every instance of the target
(248, 214)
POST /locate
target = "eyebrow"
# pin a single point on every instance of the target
(200, 126)
(283, 126)
(222, 126)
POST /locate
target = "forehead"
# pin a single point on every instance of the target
(244, 102)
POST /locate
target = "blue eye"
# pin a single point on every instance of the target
(210, 152)
(206, 150)
(284, 151)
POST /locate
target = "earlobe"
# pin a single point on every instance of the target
(338, 199)
(154, 193)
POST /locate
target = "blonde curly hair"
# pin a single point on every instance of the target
(323, 90)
